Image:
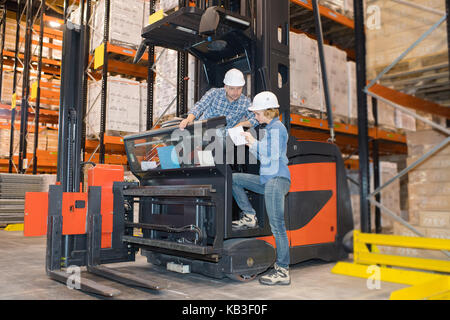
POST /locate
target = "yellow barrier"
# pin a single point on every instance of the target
(14, 227)
(425, 285)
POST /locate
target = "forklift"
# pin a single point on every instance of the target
(186, 207)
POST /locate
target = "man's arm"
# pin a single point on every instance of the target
(190, 118)
(197, 110)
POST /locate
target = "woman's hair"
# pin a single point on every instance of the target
(271, 113)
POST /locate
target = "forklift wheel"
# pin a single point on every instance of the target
(241, 277)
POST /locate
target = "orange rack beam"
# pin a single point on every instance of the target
(330, 14)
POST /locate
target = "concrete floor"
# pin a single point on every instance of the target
(22, 276)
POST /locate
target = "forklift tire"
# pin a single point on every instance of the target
(347, 242)
(247, 258)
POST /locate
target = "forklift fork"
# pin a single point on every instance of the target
(54, 248)
(54, 259)
(94, 247)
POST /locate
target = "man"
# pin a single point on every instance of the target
(227, 101)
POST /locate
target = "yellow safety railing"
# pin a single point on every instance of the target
(429, 278)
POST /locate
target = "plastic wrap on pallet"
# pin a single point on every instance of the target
(122, 106)
(336, 5)
(125, 23)
(390, 196)
(404, 121)
(167, 5)
(165, 86)
(335, 61)
(304, 74)
(352, 95)
(386, 115)
(428, 186)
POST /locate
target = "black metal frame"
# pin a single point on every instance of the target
(25, 88)
(150, 77)
(319, 34)
(2, 45)
(13, 110)
(31, 11)
(363, 137)
(38, 95)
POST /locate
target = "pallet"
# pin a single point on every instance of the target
(414, 65)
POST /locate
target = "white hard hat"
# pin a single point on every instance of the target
(234, 78)
(264, 100)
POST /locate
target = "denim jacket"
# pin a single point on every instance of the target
(271, 152)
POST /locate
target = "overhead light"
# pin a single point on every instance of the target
(54, 24)
(240, 21)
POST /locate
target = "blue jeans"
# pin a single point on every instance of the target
(274, 192)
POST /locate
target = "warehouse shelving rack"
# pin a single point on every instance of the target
(338, 31)
(33, 10)
(45, 161)
(110, 58)
(368, 142)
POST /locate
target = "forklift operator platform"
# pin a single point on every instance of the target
(186, 207)
(186, 203)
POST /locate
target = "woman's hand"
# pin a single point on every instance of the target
(249, 138)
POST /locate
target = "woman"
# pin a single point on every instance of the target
(273, 181)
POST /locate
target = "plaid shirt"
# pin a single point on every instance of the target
(215, 104)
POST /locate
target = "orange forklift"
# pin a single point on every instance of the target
(186, 208)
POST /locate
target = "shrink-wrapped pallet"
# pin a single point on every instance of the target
(122, 106)
(305, 83)
(125, 23)
(336, 63)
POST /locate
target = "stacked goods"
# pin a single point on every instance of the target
(122, 106)
(167, 5)
(5, 136)
(165, 86)
(52, 89)
(12, 195)
(336, 63)
(305, 83)
(344, 7)
(56, 54)
(306, 80)
(429, 193)
(52, 140)
(7, 87)
(393, 27)
(336, 5)
(386, 115)
(10, 39)
(47, 140)
(390, 195)
(125, 23)
(352, 95)
(404, 121)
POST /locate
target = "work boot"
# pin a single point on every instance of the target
(247, 220)
(277, 275)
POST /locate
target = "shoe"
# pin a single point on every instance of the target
(277, 275)
(247, 220)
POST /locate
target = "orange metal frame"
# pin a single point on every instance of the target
(330, 14)
(323, 227)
